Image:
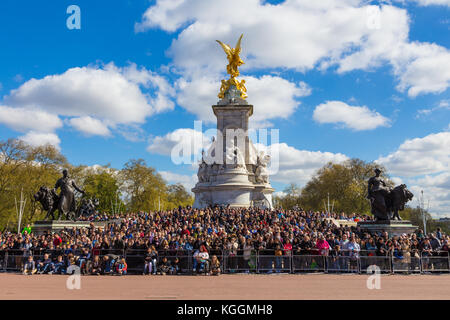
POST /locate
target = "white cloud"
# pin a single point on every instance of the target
(297, 166)
(293, 165)
(429, 2)
(424, 164)
(397, 180)
(353, 117)
(301, 35)
(436, 189)
(38, 139)
(419, 156)
(198, 95)
(272, 96)
(273, 35)
(187, 181)
(106, 95)
(26, 119)
(90, 126)
(443, 105)
(280, 194)
(188, 140)
(422, 68)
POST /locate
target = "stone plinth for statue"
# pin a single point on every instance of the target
(392, 227)
(43, 227)
(240, 177)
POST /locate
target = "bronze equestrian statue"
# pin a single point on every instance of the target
(385, 201)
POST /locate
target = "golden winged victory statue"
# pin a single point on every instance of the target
(234, 61)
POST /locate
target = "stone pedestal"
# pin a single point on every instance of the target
(42, 227)
(236, 179)
(392, 227)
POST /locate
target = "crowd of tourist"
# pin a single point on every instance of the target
(160, 241)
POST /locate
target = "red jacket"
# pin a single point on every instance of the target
(57, 241)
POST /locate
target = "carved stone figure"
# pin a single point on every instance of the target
(261, 172)
(239, 160)
(202, 177)
(205, 200)
(209, 172)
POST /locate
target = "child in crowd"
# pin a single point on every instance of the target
(164, 266)
(215, 266)
(122, 267)
(94, 266)
(176, 266)
(30, 266)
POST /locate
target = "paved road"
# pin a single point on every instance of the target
(270, 287)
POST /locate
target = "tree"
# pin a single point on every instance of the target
(415, 216)
(179, 196)
(104, 186)
(346, 185)
(23, 169)
(144, 188)
(290, 197)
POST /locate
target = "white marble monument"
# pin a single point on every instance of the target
(232, 172)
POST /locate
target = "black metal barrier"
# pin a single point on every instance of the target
(252, 261)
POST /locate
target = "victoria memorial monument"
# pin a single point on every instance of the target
(232, 172)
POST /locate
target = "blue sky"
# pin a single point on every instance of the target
(141, 70)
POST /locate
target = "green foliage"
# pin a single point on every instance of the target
(416, 217)
(144, 187)
(290, 199)
(104, 186)
(345, 184)
(25, 169)
(179, 196)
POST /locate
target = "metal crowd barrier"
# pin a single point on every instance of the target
(382, 262)
(273, 263)
(308, 263)
(436, 262)
(259, 262)
(407, 264)
(343, 264)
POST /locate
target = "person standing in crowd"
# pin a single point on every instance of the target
(353, 249)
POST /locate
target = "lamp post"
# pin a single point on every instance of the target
(20, 210)
(421, 204)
